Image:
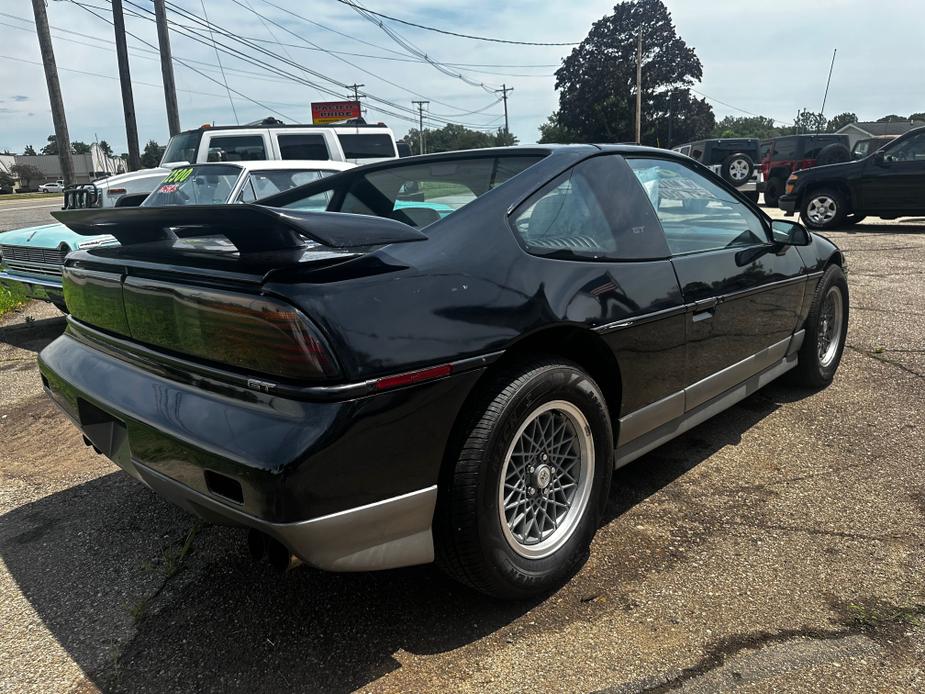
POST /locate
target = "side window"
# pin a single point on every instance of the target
(784, 149)
(695, 213)
(247, 193)
(697, 151)
(237, 148)
(302, 146)
(912, 149)
(593, 211)
(313, 203)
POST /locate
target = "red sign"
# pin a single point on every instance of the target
(333, 111)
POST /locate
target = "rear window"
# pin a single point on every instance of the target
(303, 146)
(182, 147)
(366, 146)
(263, 184)
(416, 194)
(784, 149)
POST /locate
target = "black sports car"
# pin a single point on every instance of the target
(449, 362)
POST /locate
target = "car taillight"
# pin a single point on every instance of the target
(115, 191)
(254, 333)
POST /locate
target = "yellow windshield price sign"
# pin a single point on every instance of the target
(178, 175)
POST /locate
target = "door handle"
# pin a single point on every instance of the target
(704, 309)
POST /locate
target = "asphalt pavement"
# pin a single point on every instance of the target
(777, 547)
(15, 214)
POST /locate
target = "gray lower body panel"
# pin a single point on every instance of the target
(384, 535)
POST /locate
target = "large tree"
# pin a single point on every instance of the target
(29, 151)
(760, 127)
(52, 146)
(553, 131)
(78, 147)
(27, 174)
(151, 156)
(597, 81)
(840, 121)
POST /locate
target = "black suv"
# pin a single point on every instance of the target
(735, 159)
(781, 156)
(889, 183)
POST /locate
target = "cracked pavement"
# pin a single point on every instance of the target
(777, 547)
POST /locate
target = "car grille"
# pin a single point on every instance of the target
(42, 261)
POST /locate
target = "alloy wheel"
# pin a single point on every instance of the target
(821, 210)
(546, 479)
(738, 170)
(830, 327)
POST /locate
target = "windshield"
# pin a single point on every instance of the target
(182, 147)
(209, 184)
(416, 194)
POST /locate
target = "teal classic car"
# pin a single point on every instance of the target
(31, 259)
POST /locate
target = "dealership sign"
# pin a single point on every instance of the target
(333, 111)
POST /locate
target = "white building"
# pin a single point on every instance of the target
(87, 167)
(864, 130)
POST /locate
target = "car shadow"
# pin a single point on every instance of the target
(33, 335)
(102, 565)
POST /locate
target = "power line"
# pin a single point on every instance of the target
(219, 59)
(349, 3)
(736, 108)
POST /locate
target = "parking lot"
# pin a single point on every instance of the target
(777, 547)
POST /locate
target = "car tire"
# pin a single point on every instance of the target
(834, 153)
(772, 191)
(752, 195)
(737, 169)
(824, 208)
(853, 219)
(826, 328)
(487, 546)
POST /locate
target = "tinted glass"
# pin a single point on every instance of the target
(595, 211)
(784, 149)
(695, 213)
(362, 146)
(195, 185)
(182, 147)
(302, 146)
(237, 148)
(911, 149)
(813, 145)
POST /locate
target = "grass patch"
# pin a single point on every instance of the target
(11, 298)
(27, 196)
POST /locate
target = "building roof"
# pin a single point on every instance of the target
(875, 129)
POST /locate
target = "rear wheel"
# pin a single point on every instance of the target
(826, 329)
(772, 191)
(834, 153)
(824, 209)
(852, 219)
(737, 169)
(520, 505)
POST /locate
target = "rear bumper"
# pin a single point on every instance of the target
(788, 203)
(345, 485)
(34, 287)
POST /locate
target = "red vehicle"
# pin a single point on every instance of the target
(781, 156)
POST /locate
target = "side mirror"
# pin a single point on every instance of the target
(789, 233)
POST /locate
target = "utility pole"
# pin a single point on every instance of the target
(356, 90)
(504, 90)
(420, 105)
(639, 89)
(54, 92)
(125, 81)
(170, 87)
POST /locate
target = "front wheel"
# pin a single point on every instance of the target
(519, 506)
(824, 209)
(826, 330)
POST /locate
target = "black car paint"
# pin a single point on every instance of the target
(466, 295)
(873, 185)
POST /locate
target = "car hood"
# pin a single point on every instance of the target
(114, 181)
(841, 169)
(52, 236)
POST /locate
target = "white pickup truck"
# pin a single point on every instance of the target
(270, 139)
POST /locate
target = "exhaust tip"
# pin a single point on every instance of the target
(262, 546)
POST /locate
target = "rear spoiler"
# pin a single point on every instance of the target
(251, 228)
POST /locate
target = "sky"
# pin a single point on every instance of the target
(770, 59)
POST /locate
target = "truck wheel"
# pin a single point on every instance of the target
(834, 153)
(826, 327)
(737, 169)
(824, 209)
(751, 195)
(853, 219)
(772, 192)
(519, 505)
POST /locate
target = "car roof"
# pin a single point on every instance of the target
(284, 164)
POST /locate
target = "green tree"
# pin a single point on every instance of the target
(27, 174)
(760, 127)
(151, 156)
(892, 118)
(840, 121)
(52, 146)
(105, 148)
(553, 131)
(808, 122)
(78, 147)
(452, 137)
(917, 117)
(6, 182)
(597, 81)
(29, 151)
